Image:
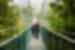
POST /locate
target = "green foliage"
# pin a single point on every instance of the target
(7, 20)
(62, 17)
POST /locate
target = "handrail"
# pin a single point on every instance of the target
(12, 38)
(62, 36)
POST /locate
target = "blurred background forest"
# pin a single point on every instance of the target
(16, 16)
(56, 15)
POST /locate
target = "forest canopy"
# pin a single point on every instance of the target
(62, 16)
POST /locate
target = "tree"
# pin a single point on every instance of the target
(62, 17)
(7, 20)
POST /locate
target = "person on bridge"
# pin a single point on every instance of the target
(35, 27)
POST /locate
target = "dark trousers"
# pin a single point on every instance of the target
(35, 30)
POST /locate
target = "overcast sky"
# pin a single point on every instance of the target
(36, 4)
